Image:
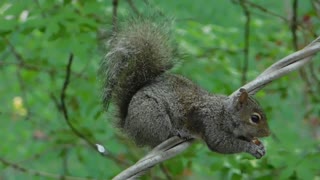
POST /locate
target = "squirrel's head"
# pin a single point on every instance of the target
(248, 118)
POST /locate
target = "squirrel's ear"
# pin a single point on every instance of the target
(238, 100)
(243, 97)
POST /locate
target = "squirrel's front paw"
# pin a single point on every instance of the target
(257, 150)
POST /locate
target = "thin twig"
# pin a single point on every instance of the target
(55, 101)
(18, 56)
(63, 105)
(246, 42)
(39, 173)
(265, 10)
(294, 28)
(114, 15)
(133, 7)
(316, 7)
(64, 155)
(314, 76)
(66, 117)
(165, 171)
(294, 24)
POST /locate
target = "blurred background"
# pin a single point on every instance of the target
(51, 114)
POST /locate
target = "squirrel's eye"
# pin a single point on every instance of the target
(255, 118)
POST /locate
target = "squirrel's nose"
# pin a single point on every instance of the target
(265, 132)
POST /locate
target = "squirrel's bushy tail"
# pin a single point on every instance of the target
(139, 51)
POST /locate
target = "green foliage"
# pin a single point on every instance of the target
(37, 38)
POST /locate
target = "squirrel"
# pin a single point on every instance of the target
(153, 104)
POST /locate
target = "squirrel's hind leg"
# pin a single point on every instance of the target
(147, 122)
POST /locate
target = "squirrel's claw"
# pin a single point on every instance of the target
(257, 150)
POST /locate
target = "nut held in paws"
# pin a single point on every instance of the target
(256, 141)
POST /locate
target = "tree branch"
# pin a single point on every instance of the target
(133, 7)
(294, 24)
(39, 173)
(115, 15)
(64, 108)
(265, 10)
(164, 151)
(246, 41)
(282, 67)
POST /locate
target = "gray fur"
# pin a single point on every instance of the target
(154, 105)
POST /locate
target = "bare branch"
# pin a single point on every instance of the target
(265, 10)
(287, 20)
(66, 116)
(39, 173)
(166, 150)
(114, 15)
(282, 67)
(294, 29)
(294, 24)
(246, 41)
(293, 57)
(165, 171)
(64, 108)
(133, 7)
(64, 88)
(314, 76)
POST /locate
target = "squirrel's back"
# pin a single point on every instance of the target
(138, 52)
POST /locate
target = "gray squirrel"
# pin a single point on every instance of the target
(153, 104)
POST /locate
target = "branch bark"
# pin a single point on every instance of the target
(246, 42)
(282, 67)
(164, 151)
